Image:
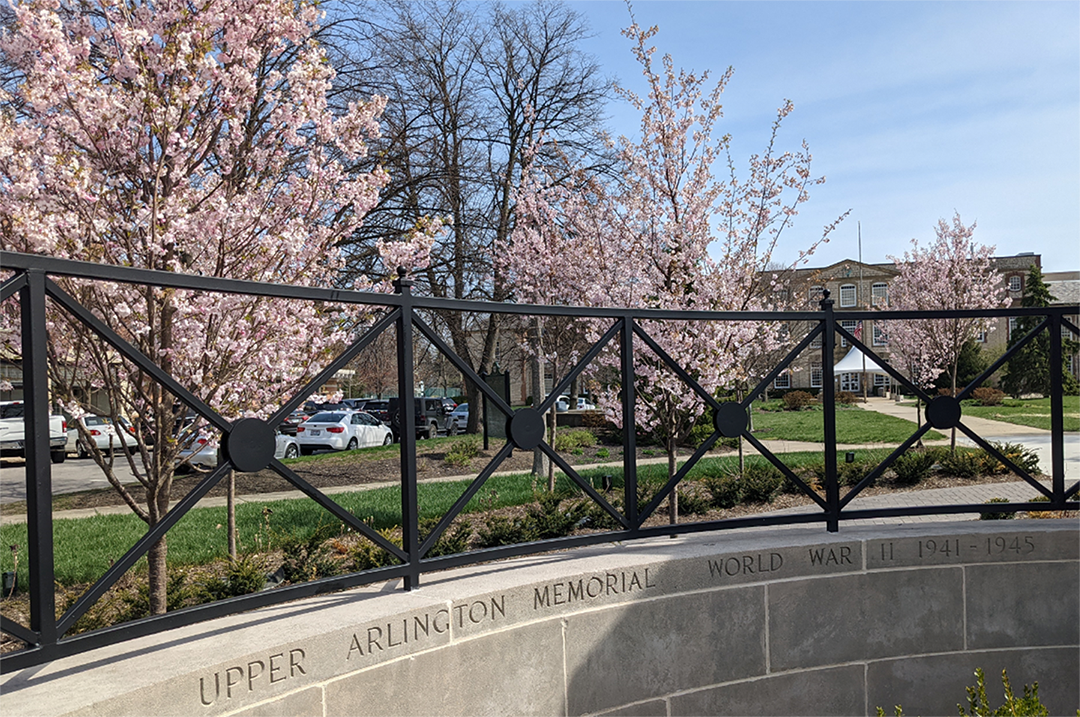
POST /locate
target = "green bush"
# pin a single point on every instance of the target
(797, 400)
(367, 555)
(962, 464)
(543, 520)
(913, 467)
(574, 438)
(691, 502)
(979, 706)
(726, 490)
(849, 474)
(761, 483)
(463, 451)
(602, 453)
(454, 539)
(846, 398)
(997, 516)
(1022, 456)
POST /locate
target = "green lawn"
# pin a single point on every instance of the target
(853, 426)
(84, 548)
(1034, 412)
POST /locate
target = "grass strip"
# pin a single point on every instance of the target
(85, 547)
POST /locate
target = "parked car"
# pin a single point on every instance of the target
(294, 419)
(378, 407)
(203, 454)
(430, 417)
(459, 419)
(563, 404)
(12, 432)
(102, 433)
(341, 431)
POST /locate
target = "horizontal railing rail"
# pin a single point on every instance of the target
(32, 282)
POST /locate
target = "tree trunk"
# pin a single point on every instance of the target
(673, 497)
(230, 504)
(536, 388)
(952, 439)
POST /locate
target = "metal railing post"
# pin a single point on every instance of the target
(36, 449)
(1057, 412)
(626, 355)
(410, 512)
(828, 405)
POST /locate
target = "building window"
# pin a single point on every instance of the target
(783, 380)
(1066, 333)
(881, 379)
(1016, 282)
(815, 375)
(847, 296)
(981, 336)
(1012, 326)
(849, 382)
(815, 295)
(879, 294)
(880, 338)
(850, 327)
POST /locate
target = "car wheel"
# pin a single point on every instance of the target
(432, 431)
(81, 450)
(291, 451)
(451, 430)
(57, 456)
(388, 439)
(352, 444)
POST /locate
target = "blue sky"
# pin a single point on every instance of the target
(912, 110)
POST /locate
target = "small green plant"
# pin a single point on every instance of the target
(463, 451)
(574, 438)
(691, 502)
(761, 483)
(726, 490)
(367, 555)
(602, 453)
(1020, 455)
(303, 556)
(962, 464)
(242, 576)
(913, 467)
(578, 452)
(997, 516)
(454, 539)
(979, 706)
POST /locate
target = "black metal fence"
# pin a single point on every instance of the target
(248, 444)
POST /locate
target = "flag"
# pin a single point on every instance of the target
(858, 331)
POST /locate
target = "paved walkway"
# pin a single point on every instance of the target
(990, 430)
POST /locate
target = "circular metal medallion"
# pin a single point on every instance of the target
(249, 445)
(731, 419)
(526, 429)
(943, 412)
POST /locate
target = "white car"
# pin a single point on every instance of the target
(102, 432)
(341, 431)
(563, 404)
(204, 455)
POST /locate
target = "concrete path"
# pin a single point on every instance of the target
(1036, 439)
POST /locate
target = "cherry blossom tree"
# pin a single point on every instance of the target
(186, 137)
(668, 235)
(952, 272)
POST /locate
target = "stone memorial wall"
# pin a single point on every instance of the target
(791, 621)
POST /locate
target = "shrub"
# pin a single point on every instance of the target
(797, 400)
(987, 396)
(463, 451)
(761, 483)
(846, 398)
(962, 464)
(692, 502)
(367, 555)
(997, 516)
(1026, 706)
(542, 520)
(602, 453)
(574, 438)
(240, 577)
(1021, 456)
(913, 467)
(726, 490)
(595, 419)
(849, 474)
(454, 539)
(304, 557)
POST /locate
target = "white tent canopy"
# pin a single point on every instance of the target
(854, 363)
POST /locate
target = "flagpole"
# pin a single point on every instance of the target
(862, 289)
